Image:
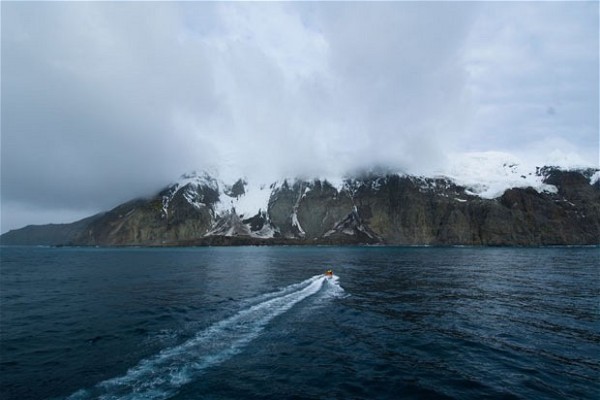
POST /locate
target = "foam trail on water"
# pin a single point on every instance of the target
(160, 376)
(335, 289)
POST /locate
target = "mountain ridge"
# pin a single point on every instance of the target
(395, 209)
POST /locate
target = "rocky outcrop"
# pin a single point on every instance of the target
(386, 209)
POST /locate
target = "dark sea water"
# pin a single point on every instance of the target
(264, 323)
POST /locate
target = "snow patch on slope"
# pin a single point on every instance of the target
(267, 232)
(189, 183)
(247, 205)
(595, 178)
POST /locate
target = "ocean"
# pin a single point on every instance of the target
(265, 323)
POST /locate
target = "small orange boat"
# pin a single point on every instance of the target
(329, 273)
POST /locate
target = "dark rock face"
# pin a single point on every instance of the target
(547, 219)
(387, 209)
(282, 203)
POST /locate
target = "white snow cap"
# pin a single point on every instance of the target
(490, 174)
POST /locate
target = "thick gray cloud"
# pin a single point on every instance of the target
(105, 101)
(534, 79)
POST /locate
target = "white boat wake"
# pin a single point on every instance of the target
(160, 376)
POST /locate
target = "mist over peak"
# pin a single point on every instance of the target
(128, 96)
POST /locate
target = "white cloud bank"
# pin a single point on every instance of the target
(104, 101)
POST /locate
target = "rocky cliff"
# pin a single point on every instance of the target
(375, 208)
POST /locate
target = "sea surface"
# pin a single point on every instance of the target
(265, 323)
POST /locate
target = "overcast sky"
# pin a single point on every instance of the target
(106, 101)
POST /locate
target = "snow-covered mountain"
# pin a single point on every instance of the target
(482, 175)
(472, 202)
